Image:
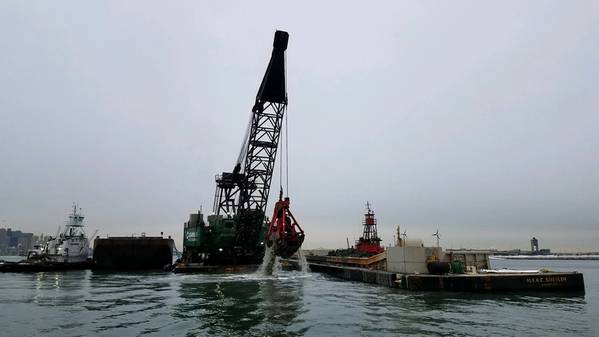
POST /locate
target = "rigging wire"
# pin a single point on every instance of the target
(244, 144)
(286, 156)
(281, 166)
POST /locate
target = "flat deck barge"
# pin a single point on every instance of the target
(412, 266)
(549, 281)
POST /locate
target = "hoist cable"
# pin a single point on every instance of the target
(286, 155)
(281, 165)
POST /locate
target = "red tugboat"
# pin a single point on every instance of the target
(369, 242)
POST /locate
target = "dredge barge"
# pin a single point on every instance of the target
(234, 236)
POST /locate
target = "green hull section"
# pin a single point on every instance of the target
(231, 240)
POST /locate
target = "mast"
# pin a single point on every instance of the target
(75, 219)
(369, 223)
(369, 242)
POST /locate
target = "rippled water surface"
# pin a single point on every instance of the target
(85, 303)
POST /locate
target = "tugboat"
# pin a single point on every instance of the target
(72, 245)
(69, 250)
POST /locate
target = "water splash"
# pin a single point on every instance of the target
(277, 268)
(302, 262)
(268, 262)
(271, 264)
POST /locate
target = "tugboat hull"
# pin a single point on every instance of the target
(34, 267)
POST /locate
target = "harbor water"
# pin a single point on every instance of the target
(86, 303)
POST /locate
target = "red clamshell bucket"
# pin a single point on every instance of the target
(284, 236)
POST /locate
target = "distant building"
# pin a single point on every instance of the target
(3, 241)
(534, 248)
(534, 245)
(15, 242)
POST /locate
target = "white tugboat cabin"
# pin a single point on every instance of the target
(71, 245)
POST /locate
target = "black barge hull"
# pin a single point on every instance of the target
(128, 253)
(544, 282)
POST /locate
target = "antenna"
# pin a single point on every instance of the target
(438, 236)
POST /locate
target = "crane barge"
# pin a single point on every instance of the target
(237, 231)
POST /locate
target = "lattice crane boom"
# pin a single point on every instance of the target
(248, 186)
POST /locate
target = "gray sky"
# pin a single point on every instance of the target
(479, 119)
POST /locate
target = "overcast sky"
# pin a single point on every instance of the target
(481, 120)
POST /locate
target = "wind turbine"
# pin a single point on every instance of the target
(438, 236)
